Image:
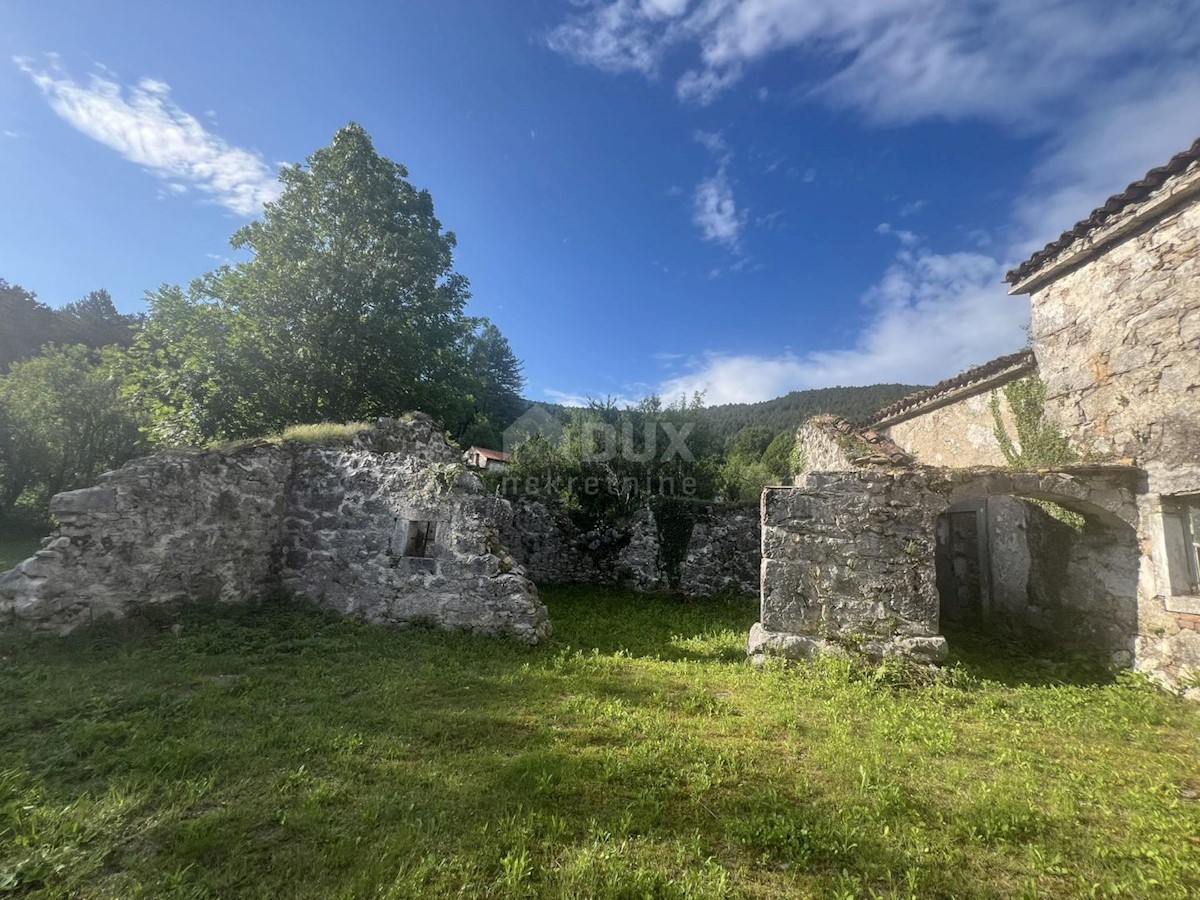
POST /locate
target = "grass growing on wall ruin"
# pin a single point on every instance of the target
(278, 752)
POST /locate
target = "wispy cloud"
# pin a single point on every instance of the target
(714, 209)
(572, 398)
(1106, 87)
(144, 125)
(1014, 60)
(918, 333)
(906, 238)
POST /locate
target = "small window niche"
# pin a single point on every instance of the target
(420, 539)
(1181, 537)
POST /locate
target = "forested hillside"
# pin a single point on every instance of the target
(787, 412)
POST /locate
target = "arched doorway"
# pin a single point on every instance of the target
(1042, 557)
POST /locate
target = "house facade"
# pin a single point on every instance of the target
(486, 460)
(1093, 546)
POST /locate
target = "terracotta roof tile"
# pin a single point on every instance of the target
(1135, 193)
(963, 379)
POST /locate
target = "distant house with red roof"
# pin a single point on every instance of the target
(486, 460)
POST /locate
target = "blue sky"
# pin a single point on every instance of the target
(742, 197)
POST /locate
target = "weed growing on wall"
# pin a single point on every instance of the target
(1038, 444)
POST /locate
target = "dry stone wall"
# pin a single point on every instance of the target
(961, 433)
(848, 561)
(1118, 344)
(722, 555)
(332, 525)
(204, 526)
(1116, 327)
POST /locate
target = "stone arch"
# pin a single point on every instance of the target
(1104, 493)
(1060, 584)
(849, 557)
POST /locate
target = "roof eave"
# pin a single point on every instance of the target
(1175, 189)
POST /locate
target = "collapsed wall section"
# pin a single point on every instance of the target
(391, 530)
(396, 539)
(180, 526)
(719, 553)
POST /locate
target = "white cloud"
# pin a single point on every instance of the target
(1109, 88)
(931, 315)
(714, 210)
(664, 9)
(144, 125)
(1104, 150)
(714, 142)
(571, 398)
(906, 238)
(617, 37)
(1009, 60)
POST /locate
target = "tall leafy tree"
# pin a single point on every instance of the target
(26, 324)
(496, 373)
(348, 308)
(63, 421)
(95, 322)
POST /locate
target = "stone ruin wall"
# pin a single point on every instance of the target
(961, 433)
(1117, 341)
(1117, 338)
(162, 529)
(229, 525)
(849, 561)
(1074, 589)
(722, 555)
(821, 451)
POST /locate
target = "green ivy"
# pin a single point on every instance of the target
(798, 459)
(1038, 443)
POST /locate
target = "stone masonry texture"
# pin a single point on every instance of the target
(230, 525)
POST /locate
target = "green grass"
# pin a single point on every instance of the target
(18, 541)
(276, 752)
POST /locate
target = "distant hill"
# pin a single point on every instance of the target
(787, 412)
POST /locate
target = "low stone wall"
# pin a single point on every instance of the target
(333, 525)
(203, 526)
(848, 560)
(722, 555)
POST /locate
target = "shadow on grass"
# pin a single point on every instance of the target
(1014, 659)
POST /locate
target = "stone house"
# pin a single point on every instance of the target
(933, 511)
(485, 460)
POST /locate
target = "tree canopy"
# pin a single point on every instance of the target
(348, 308)
(29, 324)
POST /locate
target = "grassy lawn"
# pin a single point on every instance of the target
(275, 752)
(18, 541)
